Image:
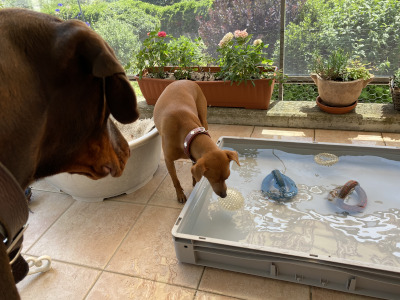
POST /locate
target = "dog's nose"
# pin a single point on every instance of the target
(222, 194)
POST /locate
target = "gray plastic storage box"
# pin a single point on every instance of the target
(308, 239)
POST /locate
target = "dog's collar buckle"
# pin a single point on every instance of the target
(189, 138)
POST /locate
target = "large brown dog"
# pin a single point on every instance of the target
(59, 82)
(180, 115)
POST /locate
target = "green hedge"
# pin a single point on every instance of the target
(180, 18)
(365, 28)
(176, 19)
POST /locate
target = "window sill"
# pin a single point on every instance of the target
(302, 114)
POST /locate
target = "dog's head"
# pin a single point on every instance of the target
(215, 167)
(95, 85)
(65, 81)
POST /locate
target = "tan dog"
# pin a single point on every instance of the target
(59, 82)
(179, 115)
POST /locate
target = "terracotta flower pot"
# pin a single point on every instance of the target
(339, 93)
(395, 92)
(217, 93)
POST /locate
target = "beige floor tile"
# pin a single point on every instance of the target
(88, 233)
(349, 137)
(218, 130)
(391, 139)
(251, 287)
(148, 251)
(209, 296)
(285, 134)
(45, 209)
(325, 294)
(144, 194)
(166, 194)
(62, 281)
(116, 286)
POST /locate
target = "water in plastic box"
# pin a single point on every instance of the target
(309, 222)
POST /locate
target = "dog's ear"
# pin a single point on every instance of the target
(232, 155)
(106, 63)
(198, 170)
(121, 99)
(77, 44)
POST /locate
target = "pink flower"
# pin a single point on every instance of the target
(162, 34)
(148, 33)
(241, 34)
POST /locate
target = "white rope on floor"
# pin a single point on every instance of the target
(39, 265)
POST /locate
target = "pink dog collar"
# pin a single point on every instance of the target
(189, 138)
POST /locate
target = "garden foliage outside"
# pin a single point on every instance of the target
(367, 29)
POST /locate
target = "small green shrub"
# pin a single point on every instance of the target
(241, 60)
(396, 79)
(339, 67)
(186, 53)
(161, 50)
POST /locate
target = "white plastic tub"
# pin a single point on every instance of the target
(308, 239)
(139, 170)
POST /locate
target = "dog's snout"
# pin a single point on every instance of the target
(222, 194)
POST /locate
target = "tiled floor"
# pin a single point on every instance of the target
(122, 248)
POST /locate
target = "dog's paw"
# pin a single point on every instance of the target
(181, 197)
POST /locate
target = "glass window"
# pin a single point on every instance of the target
(367, 29)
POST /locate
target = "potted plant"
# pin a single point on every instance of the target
(395, 89)
(243, 77)
(340, 81)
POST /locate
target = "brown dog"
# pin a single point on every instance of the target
(59, 82)
(180, 115)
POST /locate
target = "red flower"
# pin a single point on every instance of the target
(162, 34)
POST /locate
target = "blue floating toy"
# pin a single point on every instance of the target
(278, 186)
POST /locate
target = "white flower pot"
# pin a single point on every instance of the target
(139, 170)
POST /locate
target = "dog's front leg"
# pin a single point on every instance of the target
(172, 172)
(193, 179)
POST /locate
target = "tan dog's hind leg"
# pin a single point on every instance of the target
(178, 188)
